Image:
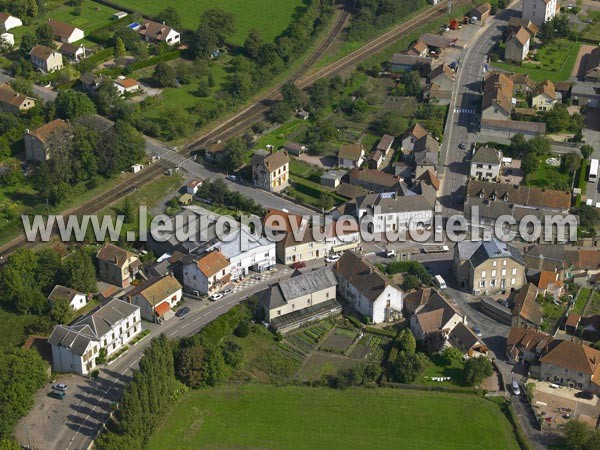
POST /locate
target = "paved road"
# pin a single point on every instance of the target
(73, 423)
(463, 116)
(46, 94)
(194, 169)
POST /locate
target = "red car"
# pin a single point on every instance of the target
(298, 265)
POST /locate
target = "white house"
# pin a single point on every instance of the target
(65, 33)
(539, 11)
(156, 297)
(544, 97)
(75, 347)
(367, 289)
(124, 85)
(7, 21)
(486, 163)
(246, 252)
(517, 45)
(351, 156)
(392, 212)
(192, 186)
(76, 299)
(158, 32)
(206, 273)
(7, 40)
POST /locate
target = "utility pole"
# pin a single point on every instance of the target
(449, 6)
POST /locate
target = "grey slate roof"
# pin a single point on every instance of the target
(495, 249)
(75, 340)
(297, 286)
(102, 319)
(364, 277)
(486, 155)
(308, 283)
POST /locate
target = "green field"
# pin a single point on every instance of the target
(547, 176)
(557, 61)
(268, 417)
(270, 17)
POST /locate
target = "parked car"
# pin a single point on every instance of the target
(231, 177)
(515, 388)
(216, 296)
(60, 387)
(299, 265)
(462, 146)
(587, 395)
(477, 331)
(57, 394)
(332, 258)
(182, 312)
(226, 291)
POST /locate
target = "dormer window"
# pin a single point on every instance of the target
(493, 196)
(481, 194)
(505, 197)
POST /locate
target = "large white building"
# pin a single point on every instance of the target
(206, 273)
(75, 347)
(368, 290)
(539, 11)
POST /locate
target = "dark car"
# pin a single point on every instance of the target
(462, 146)
(182, 312)
(298, 265)
(429, 270)
(585, 395)
(227, 291)
(57, 394)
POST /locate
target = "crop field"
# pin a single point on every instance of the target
(339, 341)
(371, 347)
(270, 17)
(308, 338)
(269, 417)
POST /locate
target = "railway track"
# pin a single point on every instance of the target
(256, 112)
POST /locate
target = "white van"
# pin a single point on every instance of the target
(439, 282)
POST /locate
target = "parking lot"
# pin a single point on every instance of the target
(559, 405)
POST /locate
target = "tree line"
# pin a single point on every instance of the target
(145, 400)
(218, 193)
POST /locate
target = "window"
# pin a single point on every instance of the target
(503, 273)
(493, 274)
(565, 370)
(494, 263)
(482, 284)
(492, 283)
(551, 366)
(483, 274)
(514, 271)
(310, 245)
(278, 312)
(266, 255)
(579, 374)
(513, 281)
(503, 262)
(327, 295)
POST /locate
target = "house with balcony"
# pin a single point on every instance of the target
(156, 297)
(206, 273)
(270, 171)
(117, 266)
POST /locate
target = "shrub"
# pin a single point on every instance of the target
(243, 329)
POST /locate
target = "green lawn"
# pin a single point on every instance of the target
(270, 17)
(93, 16)
(595, 305)
(547, 176)
(551, 312)
(593, 30)
(269, 417)
(557, 61)
(581, 301)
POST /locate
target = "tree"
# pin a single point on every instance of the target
(233, 153)
(539, 145)
(189, 366)
(164, 75)
(412, 83)
(220, 22)
(119, 48)
(408, 367)
(518, 144)
(391, 123)
(452, 355)
(128, 211)
(571, 162)
(586, 151)
(326, 201)
(477, 369)
(44, 35)
(579, 436)
(406, 342)
(233, 354)
(253, 43)
(61, 311)
(240, 85)
(129, 37)
(293, 96)
(410, 282)
(529, 163)
(589, 217)
(121, 147)
(280, 112)
(28, 41)
(72, 104)
(79, 271)
(170, 16)
(243, 329)
(433, 342)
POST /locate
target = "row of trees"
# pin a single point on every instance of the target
(374, 15)
(22, 373)
(28, 277)
(209, 358)
(145, 400)
(23, 9)
(217, 192)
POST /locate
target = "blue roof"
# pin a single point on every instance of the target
(133, 25)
